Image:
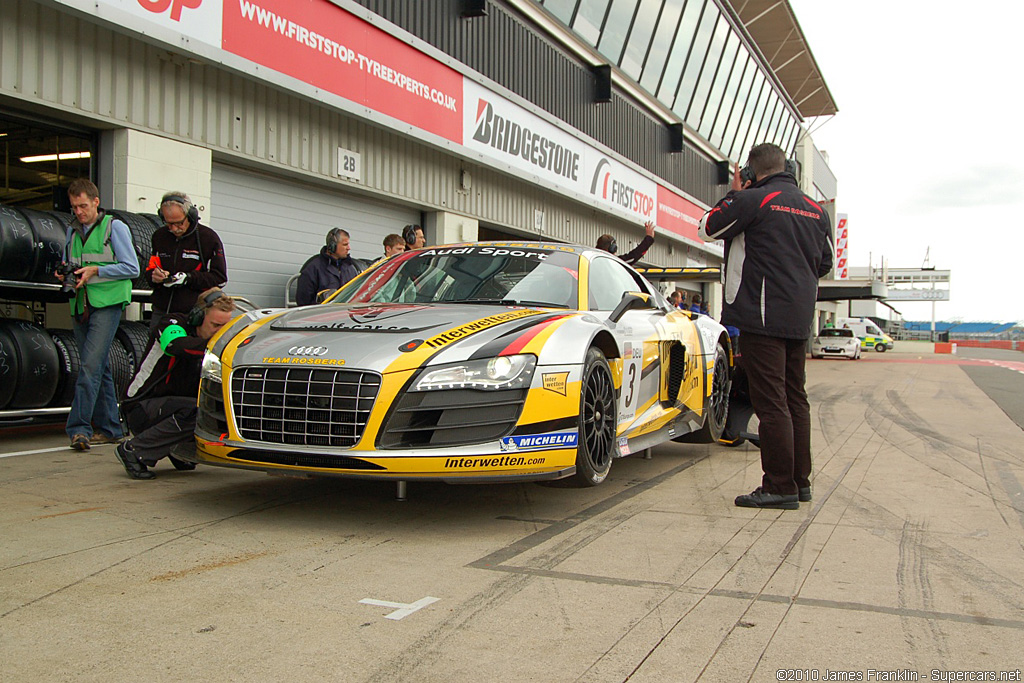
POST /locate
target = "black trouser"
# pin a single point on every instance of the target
(159, 424)
(775, 372)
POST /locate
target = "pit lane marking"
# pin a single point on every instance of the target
(402, 609)
(41, 450)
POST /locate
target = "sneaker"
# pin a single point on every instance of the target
(80, 442)
(132, 465)
(804, 494)
(181, 464)
(759, 498)
(101, 439)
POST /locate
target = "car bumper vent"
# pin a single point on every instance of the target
(456, 417)
(301, 406)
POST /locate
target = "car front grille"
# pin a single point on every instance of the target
(303, 406)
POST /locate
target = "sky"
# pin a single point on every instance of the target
(927, 147)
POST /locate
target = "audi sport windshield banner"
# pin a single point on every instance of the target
(321, 44)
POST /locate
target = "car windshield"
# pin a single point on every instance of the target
(834, 332)
(485, 273)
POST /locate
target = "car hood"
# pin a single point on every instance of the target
(375, 336)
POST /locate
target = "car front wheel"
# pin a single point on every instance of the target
(596, 421)
(880, 348)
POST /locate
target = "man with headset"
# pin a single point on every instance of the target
(160, 408)
(188, 258)
(413, 236)
(607, 243)
(328, 270)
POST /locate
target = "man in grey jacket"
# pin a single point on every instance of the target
(778, 244)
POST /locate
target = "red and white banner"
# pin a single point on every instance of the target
(319, 43)
(842, 255)
(329, 48)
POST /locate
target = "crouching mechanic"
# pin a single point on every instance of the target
(161, 405)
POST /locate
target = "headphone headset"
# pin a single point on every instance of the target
(613, 246)
(198, 312)
(332, 240)
(409, 235)
(191, 212)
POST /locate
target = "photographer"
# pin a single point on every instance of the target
(188, 258)
(99, 264)
(778, 243)
(161, 405)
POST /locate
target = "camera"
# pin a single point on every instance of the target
(70, 279)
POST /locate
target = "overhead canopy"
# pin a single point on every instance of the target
(773, 27)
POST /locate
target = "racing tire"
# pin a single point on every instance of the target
(70, 364)
(596, 423)
(718, 403)
(29, 364)
(880, 348)
(134, 336)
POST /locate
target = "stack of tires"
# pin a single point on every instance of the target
(39, 367)
(32, 242)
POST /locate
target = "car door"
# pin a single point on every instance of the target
(637, 332)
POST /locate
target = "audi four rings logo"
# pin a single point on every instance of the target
(308, 351)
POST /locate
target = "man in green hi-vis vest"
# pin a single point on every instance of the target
(102, 248)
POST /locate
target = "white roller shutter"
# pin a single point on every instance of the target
(270, 226)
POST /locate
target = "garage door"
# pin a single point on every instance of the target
(271, 226)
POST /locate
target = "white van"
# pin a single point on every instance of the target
(870, 336)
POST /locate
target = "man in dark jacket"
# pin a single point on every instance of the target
(161, 405)
(328, 270)
(778, 244)
(188, 258)
(607, 243)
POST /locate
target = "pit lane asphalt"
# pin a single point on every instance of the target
(908, 559)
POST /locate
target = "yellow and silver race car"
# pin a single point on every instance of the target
(484, 361)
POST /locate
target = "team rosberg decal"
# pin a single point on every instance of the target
(536, 442)
(303, 361)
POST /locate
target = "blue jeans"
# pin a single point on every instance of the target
(95, 400)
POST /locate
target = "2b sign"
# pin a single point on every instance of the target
(161, 6)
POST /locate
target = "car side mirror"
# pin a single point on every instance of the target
(630, 301)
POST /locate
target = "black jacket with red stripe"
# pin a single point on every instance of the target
(199, 253)
(171, 370)
(778, 243)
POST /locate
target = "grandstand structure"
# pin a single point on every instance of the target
(963, 333)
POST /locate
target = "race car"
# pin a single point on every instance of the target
(474, 362)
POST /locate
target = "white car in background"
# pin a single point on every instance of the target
(836, 341)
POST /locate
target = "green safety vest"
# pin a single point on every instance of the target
(100, 291)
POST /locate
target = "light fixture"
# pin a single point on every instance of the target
(54, 157)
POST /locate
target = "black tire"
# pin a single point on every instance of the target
(134, 337)
(33, 358)
(181, 465)
(880, 348)
(120, 367)
(717, 405)
(142, 230)
(17, 245)
(49, 232)
(596, 422)
(70, 364)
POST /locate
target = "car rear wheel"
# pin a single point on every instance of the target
(596, 422)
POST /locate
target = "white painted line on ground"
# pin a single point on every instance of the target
(41, 450)
(402, 609)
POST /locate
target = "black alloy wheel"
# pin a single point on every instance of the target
(597, 421)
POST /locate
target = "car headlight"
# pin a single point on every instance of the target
(211, 367)
(500, 372)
